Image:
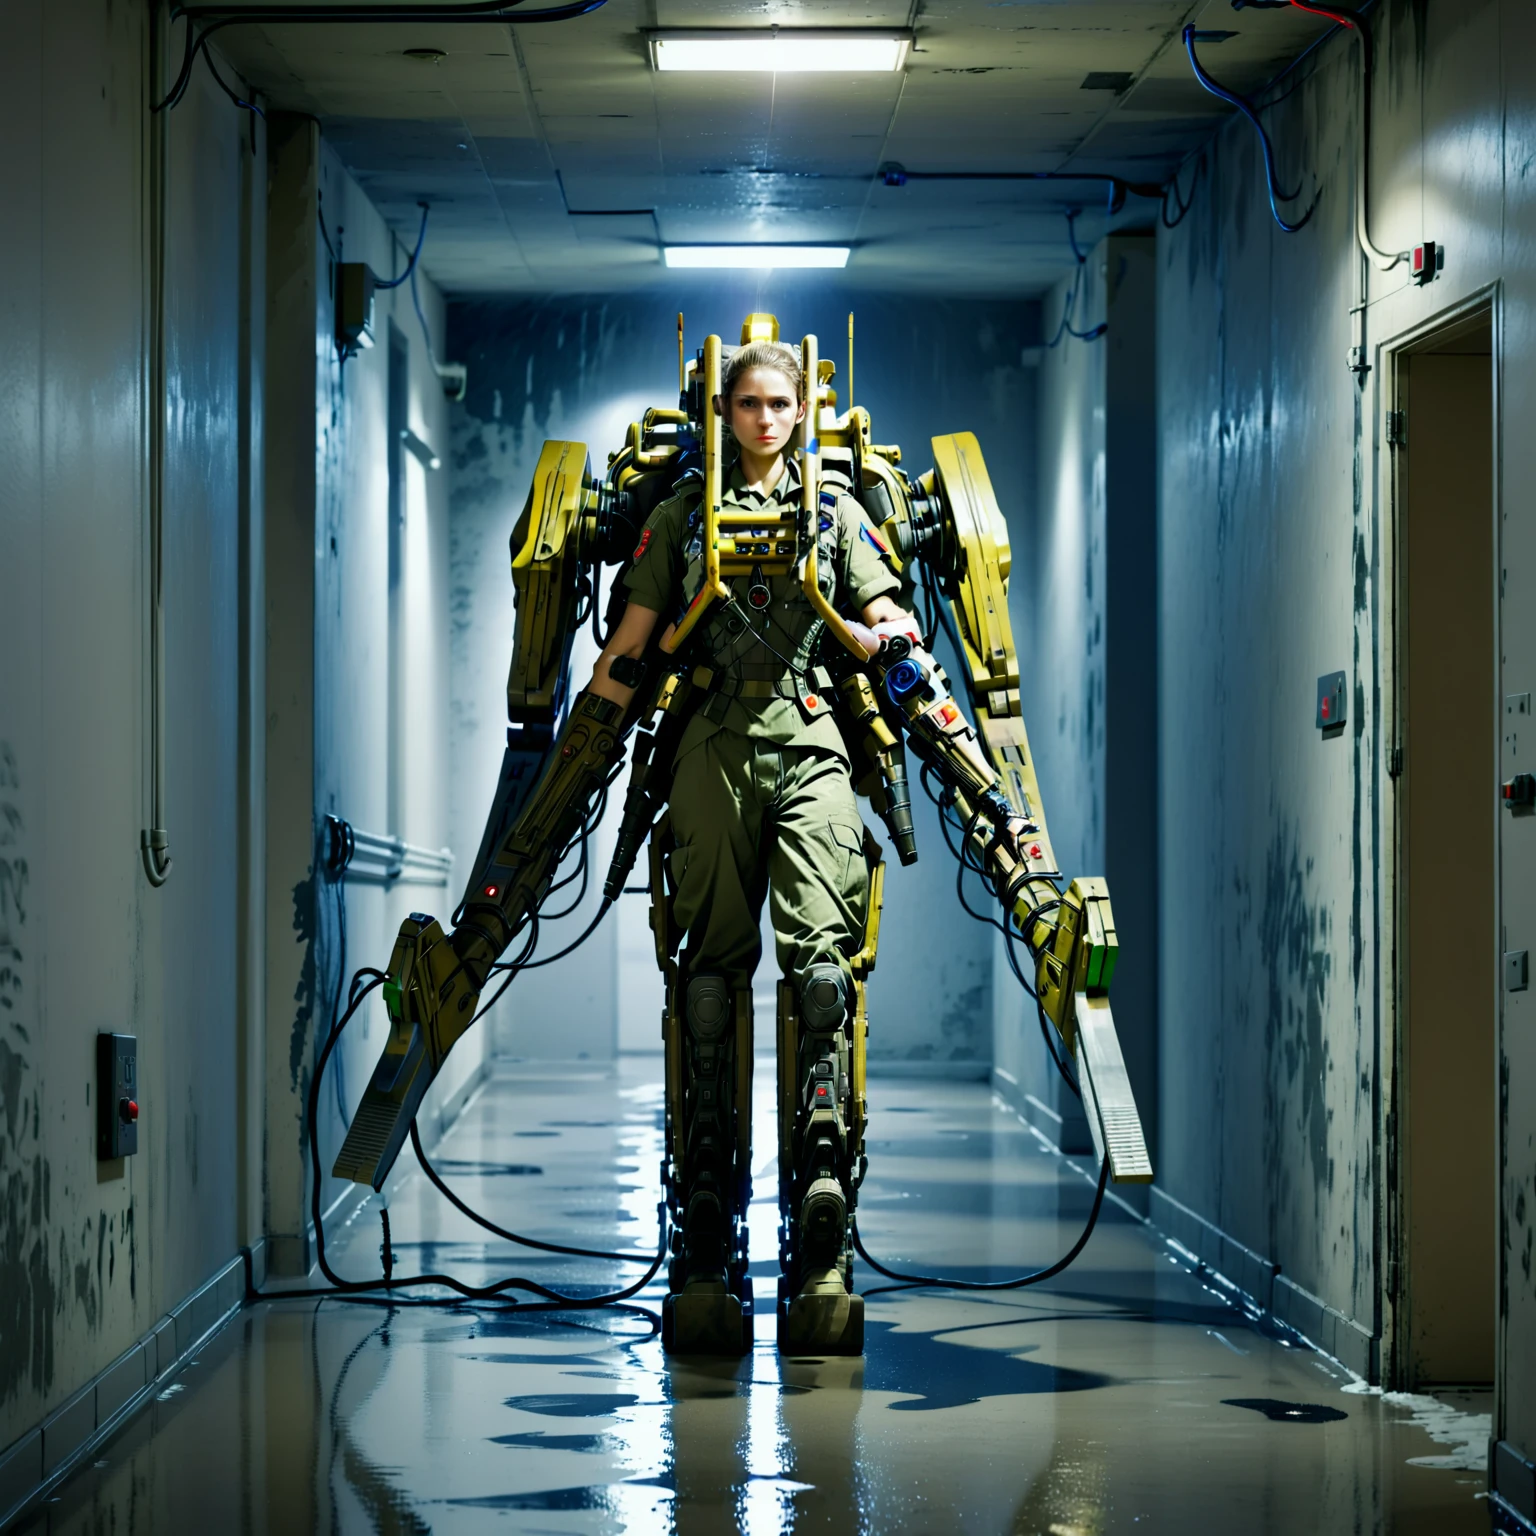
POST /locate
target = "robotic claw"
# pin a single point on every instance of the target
(891, 695)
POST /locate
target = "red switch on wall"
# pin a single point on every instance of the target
(117, 1096)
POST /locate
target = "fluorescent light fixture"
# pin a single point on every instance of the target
(760, 256)
(781, 51)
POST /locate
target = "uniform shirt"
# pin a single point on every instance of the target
(861, 572)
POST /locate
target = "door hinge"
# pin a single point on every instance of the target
(1395, 763)
(1397, 429)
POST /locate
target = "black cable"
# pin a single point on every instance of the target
(1007, 927)
(239, 101)
(410, 268)
(911, 1282)
(325, 234)
(1182, 203)
(298, 15)
(346, 1289)
(512, 1237)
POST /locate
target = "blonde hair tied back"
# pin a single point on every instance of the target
(763, 354)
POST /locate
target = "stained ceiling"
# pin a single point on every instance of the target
(556, 159)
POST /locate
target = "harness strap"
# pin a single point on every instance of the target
(761, 688)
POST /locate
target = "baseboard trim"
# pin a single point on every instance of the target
(45, 1456)
(1254, 1282)
(1262, 1288)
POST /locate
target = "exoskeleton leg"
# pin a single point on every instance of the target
(709, 1308)
(819, 1150)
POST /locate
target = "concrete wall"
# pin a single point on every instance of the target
(583, 370)
(357, 725)
(1276, 956)
(1083, 599)
(91, 1253)
(275, 637)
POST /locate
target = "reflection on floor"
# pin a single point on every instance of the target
(1123, 1396)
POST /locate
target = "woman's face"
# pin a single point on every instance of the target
(762, 410)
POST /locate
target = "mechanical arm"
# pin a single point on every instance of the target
(562, 755)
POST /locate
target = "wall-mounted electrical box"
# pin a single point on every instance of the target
(1330, 702)
(355, 283)
(117, 1096)
(1426, 262)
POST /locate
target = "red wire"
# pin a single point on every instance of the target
(1342, 17)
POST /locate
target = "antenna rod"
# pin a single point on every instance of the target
(682, 367)
(850, 360)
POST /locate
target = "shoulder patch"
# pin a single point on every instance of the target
(643, 545)
(874, 538)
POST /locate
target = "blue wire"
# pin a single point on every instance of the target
(421, 315)
(1072, 216)
(421, 236)
(1066, 328)
(1246, 108)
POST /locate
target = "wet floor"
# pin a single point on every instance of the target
(1122, 1396)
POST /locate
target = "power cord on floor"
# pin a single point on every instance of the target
(365, 1291)
(914, 1282)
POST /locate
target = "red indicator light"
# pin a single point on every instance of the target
(948, 714)
(491, 890)
(1327, 708)
(1034, 850)
(129, 1110)
(810, 701)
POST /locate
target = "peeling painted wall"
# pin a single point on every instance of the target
(1276, 952)
(91, 1254)
(584, 369)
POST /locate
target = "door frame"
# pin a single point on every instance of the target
(1483, 304)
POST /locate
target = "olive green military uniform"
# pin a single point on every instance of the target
(762, 800)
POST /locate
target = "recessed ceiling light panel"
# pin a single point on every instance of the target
(780, 51)
(757, 256)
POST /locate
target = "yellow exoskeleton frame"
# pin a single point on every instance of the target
(559, 757)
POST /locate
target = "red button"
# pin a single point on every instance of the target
(1034, 850)
(810, 701)
(128, 1110)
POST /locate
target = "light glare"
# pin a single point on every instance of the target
(758, 256)
(780, 53)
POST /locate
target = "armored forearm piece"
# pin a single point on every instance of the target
(434, 982)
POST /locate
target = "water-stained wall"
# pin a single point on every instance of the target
(1277, 1014)
(1083, 599)
(356, 586)
(92, 1253)
(584, 369)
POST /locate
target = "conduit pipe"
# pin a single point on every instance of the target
(154, 840)
(1356, 22)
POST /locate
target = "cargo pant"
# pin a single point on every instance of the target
(750, 818)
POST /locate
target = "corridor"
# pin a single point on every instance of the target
(1123, 1396)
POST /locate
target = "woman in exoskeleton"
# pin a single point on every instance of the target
(762, 804)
